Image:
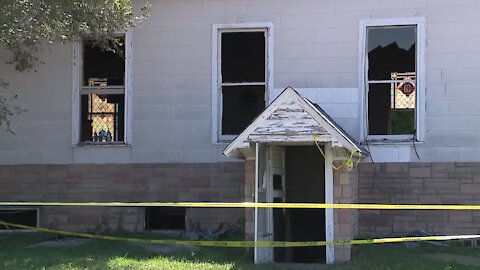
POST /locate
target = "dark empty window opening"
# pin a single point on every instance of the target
(27, 217)
(241, 104)
(277, 182)
(104, 67)
(165, 218)
(243, 79)
(102, 101)
(391, 80)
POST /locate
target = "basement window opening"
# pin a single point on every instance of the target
(22, 216)
(165, 218)
(102, 99)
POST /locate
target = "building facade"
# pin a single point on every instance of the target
(399, 77)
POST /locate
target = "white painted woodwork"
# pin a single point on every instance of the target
(217, 84)
(329, 220)
(289, 119)
(262, 228)
(77, 67)
(303, 120)
(421, 45)
(78, 88)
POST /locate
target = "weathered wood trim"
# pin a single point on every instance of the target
(128, 86)
(290, 96)
(329, 220)
(77, 56)
(420, 22)
(77, 89)
(257, 160)
(216, 85)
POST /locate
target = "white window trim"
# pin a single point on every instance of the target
(217, 138)
(77, 82)
(420, 103)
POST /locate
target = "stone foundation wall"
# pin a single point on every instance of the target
(249, 190)
(345, 189)
(209, 182)
(419, 183)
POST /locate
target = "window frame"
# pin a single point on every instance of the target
(419, 136)
(217, 105)
(78, 89)
(19, 230)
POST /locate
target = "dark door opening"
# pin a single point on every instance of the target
(305, 183)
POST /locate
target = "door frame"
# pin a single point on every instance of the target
(329, 199)
(329, 220)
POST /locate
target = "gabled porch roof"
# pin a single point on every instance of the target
(292, 118)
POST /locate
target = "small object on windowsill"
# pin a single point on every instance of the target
(109, 136)
(95, 137)
(103, 135)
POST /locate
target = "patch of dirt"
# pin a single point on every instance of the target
(461, 259)
(63, 242)
(158, 248)
(300, 266)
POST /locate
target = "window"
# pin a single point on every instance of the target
(242, 74)
(101, 92)
(393, 79)
(22, 216)
(165, 218)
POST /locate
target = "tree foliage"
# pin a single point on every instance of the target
(26, 26)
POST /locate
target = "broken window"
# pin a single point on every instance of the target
(392, 79)
(243, 79)
(102, 99)
(165, 218)
(27, 217)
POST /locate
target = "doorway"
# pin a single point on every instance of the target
(291, 174)
(304, 183)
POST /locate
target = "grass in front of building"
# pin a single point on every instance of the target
(15, 254)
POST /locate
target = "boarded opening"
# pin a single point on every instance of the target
(165, 218)
(27, 217)
(243, 79)
(305, 183)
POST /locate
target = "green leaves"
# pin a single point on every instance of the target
(26, 25)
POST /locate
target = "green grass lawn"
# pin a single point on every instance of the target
(14, 255)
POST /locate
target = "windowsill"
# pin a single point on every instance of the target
(224, 140)
(222, 143)
(391, 140)
(102, 144)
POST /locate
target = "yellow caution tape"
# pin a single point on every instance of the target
(250, 205)
(246, 243)
(347, 164)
